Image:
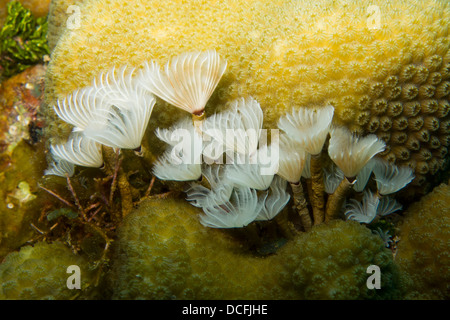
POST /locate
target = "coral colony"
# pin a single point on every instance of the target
(234, 174)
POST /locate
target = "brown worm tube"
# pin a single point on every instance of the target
(336, 200)
(300, 205)
(318, 189)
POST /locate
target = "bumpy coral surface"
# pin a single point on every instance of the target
(331, 261)
(40, 272)
(424, 248)
(384, 66)
(163, 252)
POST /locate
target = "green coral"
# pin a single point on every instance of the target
(163, 252)
(423, 250)
(331, 261)
(40, 273)
(23, 40)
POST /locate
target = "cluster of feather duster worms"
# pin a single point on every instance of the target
(234, 174)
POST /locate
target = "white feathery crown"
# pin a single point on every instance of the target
(220, 192)
(388, 205)
(275, 200)
(188, 81)
(60, 167)
(254, 172)
(292, 159)
(174, 165)
(308, 126)
(391, 178)
(332, 179)
(363, 212)
(242, 209)
(363, 176)
(351, 153)
(121, 119)
(237, 129)
(78, 107)
(79, 150)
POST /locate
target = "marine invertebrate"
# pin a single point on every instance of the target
(188, 82)
(351, 153)
(243, 207)
(179, 258)
(309, 127)
(219, 192)
(275, 201)
(237, 129)
(249, 175)
(370, 207)
(384, 235)
(60, 167)
(120, 120)
(78, 107)
(171, 166)
(182, 161)
(363, 212)
(333, 262)
(391, 178)
(79, 150)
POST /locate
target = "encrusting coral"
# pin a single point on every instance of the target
(163, 252)
(390, 79)
(40, 273)
(423, 250)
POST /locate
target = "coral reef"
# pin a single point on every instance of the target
(390, 79)
(163, 252)
(23, 40)
(423, 250)
(40, 273)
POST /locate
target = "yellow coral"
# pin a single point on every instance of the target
(286, 54)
